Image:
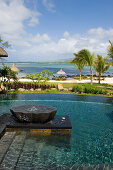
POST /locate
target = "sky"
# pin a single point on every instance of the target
(52, 30)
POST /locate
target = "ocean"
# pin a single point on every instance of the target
(34, 67)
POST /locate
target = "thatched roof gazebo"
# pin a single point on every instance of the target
(61, 72)
(14, 68)
(3, 53)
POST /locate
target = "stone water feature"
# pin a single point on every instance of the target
(36, 119)
(34, 113)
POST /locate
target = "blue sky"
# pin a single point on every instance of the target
(47, 30)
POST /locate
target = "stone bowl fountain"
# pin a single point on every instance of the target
(34, 113)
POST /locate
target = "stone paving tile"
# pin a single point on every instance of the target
(5, 142)
(19, 154)
(26, 159)
(14, 152)
(2, 129)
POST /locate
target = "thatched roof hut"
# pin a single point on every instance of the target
(61, 72)
(14, 68)
(3, 53)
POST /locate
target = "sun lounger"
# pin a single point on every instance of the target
(60, 87)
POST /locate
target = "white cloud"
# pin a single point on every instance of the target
(39, 38)
(14, 16)
(43, 47)
(66, 35)
(13, 13)
(49, 5)
(101, 33)
(34, 19)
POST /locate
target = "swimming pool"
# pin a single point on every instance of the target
(91, 141)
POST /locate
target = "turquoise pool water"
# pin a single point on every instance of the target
(91, 141)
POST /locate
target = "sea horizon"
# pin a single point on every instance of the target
(34, 67)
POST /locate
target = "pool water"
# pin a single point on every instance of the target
(91, 140)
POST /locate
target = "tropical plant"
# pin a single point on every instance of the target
(38, 76)
(43, 75)
(4, 44)
(7, 74)
(110, 52)
(101, 65)
(87, 58)
(31, 76)
(78, 64)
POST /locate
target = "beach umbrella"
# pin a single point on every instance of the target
(61, 72)
(14, 68)
(3, 53)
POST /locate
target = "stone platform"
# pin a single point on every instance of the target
(58, 125)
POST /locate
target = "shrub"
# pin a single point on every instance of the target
(94, 89)
(89, 89)
(77, 88)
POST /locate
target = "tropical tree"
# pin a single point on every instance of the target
(101, 65)
(4, 44)
(43, 75)
(7, 74)
(110, 52)
(31, 76)
(78, 64)
(86, 57)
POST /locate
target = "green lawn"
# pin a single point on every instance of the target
(95, 89)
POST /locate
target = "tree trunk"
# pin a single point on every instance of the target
(91, 75)
(80, 75)
(99, 78)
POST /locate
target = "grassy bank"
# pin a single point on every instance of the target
(75, 88)
(96, 88)
(57, 92)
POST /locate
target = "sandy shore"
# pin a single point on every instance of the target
(106, 80)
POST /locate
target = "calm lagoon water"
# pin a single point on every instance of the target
(91, 141)
(27, 68)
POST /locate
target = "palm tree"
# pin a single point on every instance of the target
(101, 65)
(86, 57)
(110, 52)
(78, 64)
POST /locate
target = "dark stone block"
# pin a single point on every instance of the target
(58, 122)
(34, 113)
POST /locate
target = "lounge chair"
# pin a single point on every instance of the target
(60, 87)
